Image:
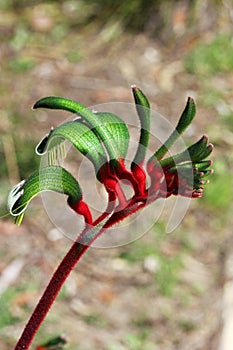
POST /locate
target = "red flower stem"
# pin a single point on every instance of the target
(60, 275)
(67, 264)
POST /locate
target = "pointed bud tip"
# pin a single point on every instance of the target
(197, 195)
(190, 99)
(211, 147)
(205, 138)
(200, 190)
(35, 106)
(134, 87)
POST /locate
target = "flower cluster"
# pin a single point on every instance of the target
(103, 138)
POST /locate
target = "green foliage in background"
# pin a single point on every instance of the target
(220, 189)
(208, 61)
(6, 308)
(214, 57)
(137, 15)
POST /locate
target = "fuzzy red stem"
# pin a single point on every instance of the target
(67, 264)
(59, 277)
(62, 272)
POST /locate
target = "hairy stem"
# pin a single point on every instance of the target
(67, 264)
(62, 272)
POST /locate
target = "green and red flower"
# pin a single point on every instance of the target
(104, 139)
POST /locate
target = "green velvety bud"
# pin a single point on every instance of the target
(51, 178)
(90, 118)
(143, 111)
(184, 121)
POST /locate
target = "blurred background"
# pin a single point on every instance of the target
(164, 291)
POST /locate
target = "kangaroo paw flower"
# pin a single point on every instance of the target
(103, 138)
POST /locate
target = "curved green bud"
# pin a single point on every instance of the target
(41, 147)
(82, 138)
(51, 178)
(187, 116)
(143, 111)
(194, 153)
(54, 102)
(184, 121)
(203, 165)
(118, 130)
(200, 150)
